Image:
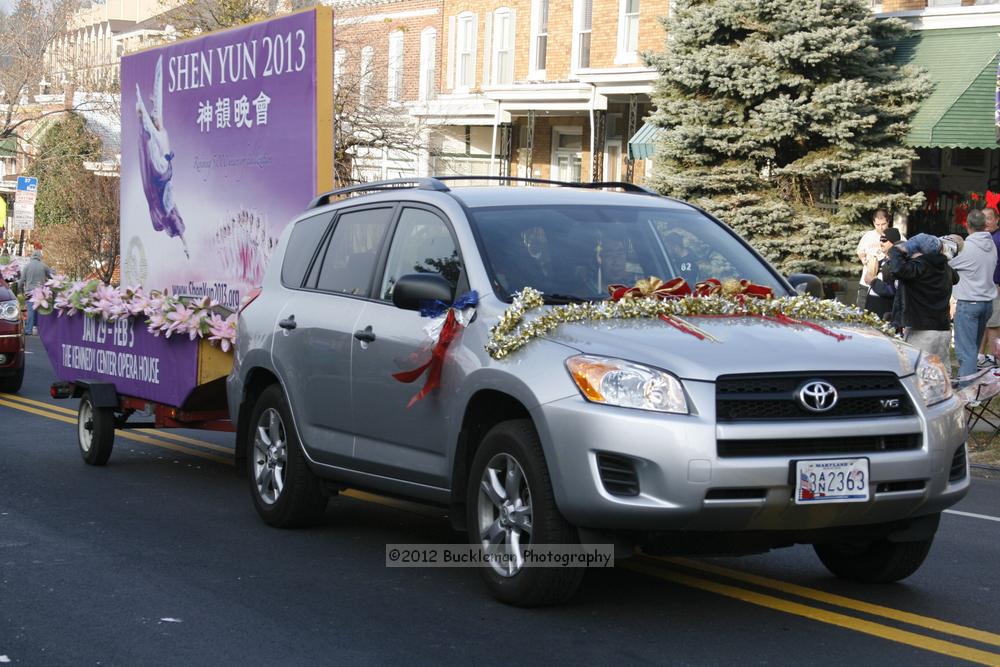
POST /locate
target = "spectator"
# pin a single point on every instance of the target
(33, 274)
(870, 245)
(881, 293)
(925, 281)
(974, 295)
(987, 358)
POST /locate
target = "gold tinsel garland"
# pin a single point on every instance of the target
(512, 332)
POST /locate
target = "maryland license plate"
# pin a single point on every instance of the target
(831, 481)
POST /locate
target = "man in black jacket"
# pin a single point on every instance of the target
(926, 280)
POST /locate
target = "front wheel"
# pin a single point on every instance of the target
(285, 491)
(95, 431)
(12, 384)
(873, 561)
(510, 506)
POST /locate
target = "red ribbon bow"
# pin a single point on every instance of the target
(449, 332)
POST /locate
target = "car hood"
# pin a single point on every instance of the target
(740, 345)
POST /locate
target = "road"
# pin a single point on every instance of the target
(160, 559)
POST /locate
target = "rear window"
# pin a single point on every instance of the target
(301, 247)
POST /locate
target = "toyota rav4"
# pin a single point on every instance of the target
(695, 434)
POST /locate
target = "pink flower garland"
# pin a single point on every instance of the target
(164, 314)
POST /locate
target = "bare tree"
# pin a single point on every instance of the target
(26, 34)
(193, 17)
(86, 245)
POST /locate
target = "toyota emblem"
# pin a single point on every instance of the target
(817, 396)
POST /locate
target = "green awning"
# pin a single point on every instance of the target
(642, 145)
(962, 63)
(8, 147)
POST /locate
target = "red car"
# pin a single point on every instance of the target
(11, 341)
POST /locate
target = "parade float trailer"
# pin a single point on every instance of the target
(225, 138)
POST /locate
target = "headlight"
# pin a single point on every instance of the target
(932, 379)
(627, 385)
(9, 311)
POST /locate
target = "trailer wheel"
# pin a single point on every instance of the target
(95, 431)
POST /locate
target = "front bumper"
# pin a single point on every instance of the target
(685, 485)
(12, 349)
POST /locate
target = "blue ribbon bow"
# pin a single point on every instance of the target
(437, 308)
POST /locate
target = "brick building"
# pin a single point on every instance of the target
(529, 86)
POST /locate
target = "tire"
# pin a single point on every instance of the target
(95, 428)
(514, 445)
(12, 384)
(874, 561)
(286, 493)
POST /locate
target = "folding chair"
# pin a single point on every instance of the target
(977, 394)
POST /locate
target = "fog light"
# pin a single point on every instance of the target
(3, 359)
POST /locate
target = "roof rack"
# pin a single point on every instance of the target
(392, 184)
(627, 187)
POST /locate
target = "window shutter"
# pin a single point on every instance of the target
(452, 28)
(475, 37)
(488, 77)
(511, 41)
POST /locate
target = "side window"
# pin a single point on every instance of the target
(353, 251)
(421, 244)
(302, 244)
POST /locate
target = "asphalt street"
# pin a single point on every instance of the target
(160, 559)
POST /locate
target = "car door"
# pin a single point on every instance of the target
(393, 439)
(313, 348)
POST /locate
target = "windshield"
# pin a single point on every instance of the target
(574, 252)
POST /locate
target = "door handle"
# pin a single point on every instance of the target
(288, 324)
(365, 335)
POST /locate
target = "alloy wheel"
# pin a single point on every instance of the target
(505, 517)
(270, 456)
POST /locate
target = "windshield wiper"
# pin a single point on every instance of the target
(564, 298)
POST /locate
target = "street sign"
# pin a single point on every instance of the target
(24, 217)
(27, 183)
(26, 197)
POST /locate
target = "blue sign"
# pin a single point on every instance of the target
(27, 183)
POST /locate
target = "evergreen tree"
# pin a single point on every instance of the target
(767, 106)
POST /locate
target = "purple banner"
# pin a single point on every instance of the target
(123, 353)
(223, 143)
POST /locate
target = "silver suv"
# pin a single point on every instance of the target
(749, 436)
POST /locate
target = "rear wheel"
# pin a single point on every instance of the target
(510, 506)
(95, 431)
(874, 561)
(12, 384)
(285, 491)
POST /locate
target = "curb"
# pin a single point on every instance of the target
(985, 471)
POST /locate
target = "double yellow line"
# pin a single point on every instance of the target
(818, 605)
(162, 438)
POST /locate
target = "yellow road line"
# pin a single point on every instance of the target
(162, 433)
(832, 618)
(43, 404)
(120, 434)
(406, 506)
(841, 601)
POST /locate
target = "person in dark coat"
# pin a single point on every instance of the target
(926, 279)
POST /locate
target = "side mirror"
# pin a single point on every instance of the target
(807, 283)
(413, 289)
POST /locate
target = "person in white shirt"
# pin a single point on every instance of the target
(870, 245)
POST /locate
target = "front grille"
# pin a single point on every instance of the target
(618, 475)
(812, 446)
(772, 397)
(957, 472)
